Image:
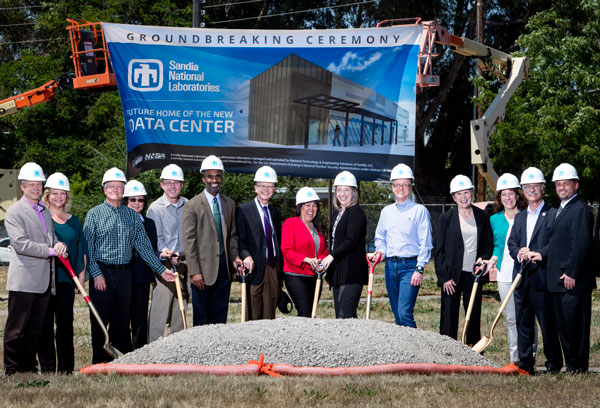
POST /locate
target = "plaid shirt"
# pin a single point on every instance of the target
(112, 233)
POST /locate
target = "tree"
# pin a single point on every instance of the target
(81, 133)
(553, 118)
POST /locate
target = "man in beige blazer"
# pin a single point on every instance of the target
(30, 272)
(210, 243)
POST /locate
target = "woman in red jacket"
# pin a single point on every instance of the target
(303, 247)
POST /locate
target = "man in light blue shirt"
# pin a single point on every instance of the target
(167, 214)
(403, 237)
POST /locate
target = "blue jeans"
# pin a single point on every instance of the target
(401, 293)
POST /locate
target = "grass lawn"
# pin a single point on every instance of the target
(381, 390)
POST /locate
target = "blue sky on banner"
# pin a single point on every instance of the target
(207, 71)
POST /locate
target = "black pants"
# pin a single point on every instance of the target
(26, 313)
(345, 300)
(139, 314)
(60, 310)
(529, 304)
(210, 305)
(573, 312)
(451, 305)
(47, 351)
(112, 305)
(302, 292)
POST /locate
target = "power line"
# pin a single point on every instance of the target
(233, 4)
(295, 12)
(31, 41)
(15, 25)
(20, 8)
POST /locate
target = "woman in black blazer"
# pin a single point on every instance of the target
(346, 264)
(464, 237)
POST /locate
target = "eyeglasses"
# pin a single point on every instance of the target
(265, 186)
(136, 200)
(532, 186)
(119, 186)
(172, 183)
(405, 185)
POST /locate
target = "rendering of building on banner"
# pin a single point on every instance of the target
(296, 102)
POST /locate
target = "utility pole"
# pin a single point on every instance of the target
(480, 180)
(197, 13)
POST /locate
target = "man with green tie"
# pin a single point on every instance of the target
(210, 244)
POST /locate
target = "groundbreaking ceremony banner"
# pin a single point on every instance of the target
(308, 103)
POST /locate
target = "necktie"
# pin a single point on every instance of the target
(558, 211)
(268, 237)
(217, 215)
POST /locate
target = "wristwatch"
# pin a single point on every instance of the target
(420, 269)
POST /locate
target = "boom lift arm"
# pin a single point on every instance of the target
(509, 70)
(92, 68)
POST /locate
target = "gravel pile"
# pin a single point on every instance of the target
(306, 342)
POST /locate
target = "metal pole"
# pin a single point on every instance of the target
(197, 14)
(479, 180)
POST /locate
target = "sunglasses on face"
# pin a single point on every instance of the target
(137, 200)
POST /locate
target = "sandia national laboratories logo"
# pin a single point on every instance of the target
(145, 75)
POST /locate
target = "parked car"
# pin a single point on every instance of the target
(5, 250)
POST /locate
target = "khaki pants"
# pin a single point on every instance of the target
(262, 298)
(164, 308)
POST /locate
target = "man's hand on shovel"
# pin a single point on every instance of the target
(168, 275)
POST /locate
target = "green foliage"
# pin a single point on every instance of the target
(81, 133)
(553, 119)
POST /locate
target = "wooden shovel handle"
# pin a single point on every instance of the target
(316, 299)
(469, 310)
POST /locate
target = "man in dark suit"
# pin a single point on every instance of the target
(31, 272)
(570, 276)
(529, 235)
(210, 243)
(259, 231)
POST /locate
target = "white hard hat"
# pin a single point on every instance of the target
(532, 175)
(134, 188)
(266, 174)
(211, 162)
(565, 171)
(345, 178)
(401, 171)
(507, 181)
(172, 172)
(113, 174)
(31, 172)
(305, 195)
(58, 181)
(460, 183)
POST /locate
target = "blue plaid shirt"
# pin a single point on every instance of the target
(112, 233)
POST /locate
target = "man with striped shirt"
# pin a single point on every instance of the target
(112, 231)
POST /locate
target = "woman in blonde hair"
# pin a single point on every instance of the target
(346, 264)
(69, 230)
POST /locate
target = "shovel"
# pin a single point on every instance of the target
(486, 340)
(317, 292)
(179, 294)
(472, 301)
(370, 286)
(242, 276)
(109, 348)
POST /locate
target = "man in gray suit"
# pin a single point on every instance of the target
(210, 243)
(30, 273)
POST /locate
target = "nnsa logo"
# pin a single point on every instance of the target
(154, 156)
(145, 75)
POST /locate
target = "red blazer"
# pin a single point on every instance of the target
(296, 244)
